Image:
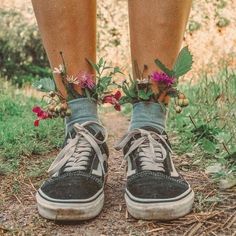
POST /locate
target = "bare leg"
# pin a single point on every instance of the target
(152, 192)
(156, 30)
(70, 27)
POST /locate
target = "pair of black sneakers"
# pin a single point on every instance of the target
(75, 190)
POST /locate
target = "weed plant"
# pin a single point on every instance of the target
(207, 129)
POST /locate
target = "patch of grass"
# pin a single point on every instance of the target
(202, 202)
(18, 136)
(207, 128)
(40, 168)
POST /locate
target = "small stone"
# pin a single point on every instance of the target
(214, 168)
(189, 155)
(197, 162)
(228, 182)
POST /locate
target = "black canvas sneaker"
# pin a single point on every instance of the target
(154, 189)
(75, 189)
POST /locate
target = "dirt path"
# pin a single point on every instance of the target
(214, 212)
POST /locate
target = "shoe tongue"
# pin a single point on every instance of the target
(149, 128)
(94, 131)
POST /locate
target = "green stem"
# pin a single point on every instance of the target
(63, 62)
(70, 90)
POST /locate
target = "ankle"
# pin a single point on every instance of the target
(148, 114)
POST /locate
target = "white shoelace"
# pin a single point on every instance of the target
(75, 155)
(151, 152)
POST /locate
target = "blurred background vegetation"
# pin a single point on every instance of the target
(206, 131)
(210, 34)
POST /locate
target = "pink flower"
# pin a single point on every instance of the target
(41, 115)
(84, 80)
(113, 99)
(162, 78)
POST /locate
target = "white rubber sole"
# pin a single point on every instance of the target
(69, 211)
(160, 210)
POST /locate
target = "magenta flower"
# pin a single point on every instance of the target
(85, 80)
(113, 99)
(41, 115)
(162, 78)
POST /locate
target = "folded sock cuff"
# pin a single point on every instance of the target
(148, 114)
(82, 110)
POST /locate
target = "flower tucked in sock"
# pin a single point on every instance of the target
(148, 114)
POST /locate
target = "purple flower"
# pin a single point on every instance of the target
(162, 78)
(85, 80)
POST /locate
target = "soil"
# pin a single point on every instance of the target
(214, 211)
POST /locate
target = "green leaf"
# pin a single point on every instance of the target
(117, 70)
(132, 89)
(164, 68)
(125, 99)
(131, 79)
(208, 146)
(125, 90)
(183, 63)
(100, 62)
(144, 95)
(105, 81)
(95, 66)
(45, 85)
(87, 93)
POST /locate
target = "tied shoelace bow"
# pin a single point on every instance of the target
(151, 152)
(75, 155)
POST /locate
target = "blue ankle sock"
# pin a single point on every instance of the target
(148, 114)
(83, 109)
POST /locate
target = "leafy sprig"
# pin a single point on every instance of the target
(182, 65)
(98, 92)
(135, 91)
(105, 80)
(45, 85)
(141, 89)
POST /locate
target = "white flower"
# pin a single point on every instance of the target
(59, 69)
(72, 79)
